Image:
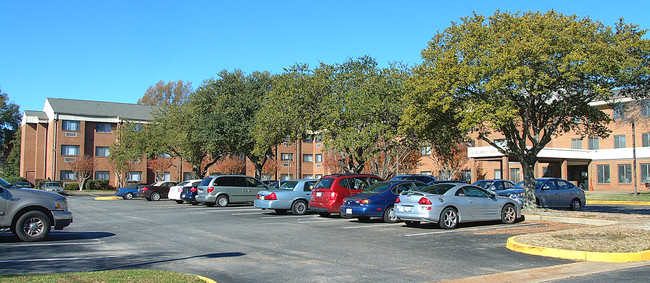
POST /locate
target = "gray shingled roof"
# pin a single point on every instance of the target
(39, 114)
(126, 111)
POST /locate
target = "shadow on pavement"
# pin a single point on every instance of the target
(58, 236)
(622, 209)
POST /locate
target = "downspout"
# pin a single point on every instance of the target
(56, 143)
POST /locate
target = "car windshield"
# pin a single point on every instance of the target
(324, 183)
(438, 189)
(288, 185)
(183, 184)
(377, 188)
(484, 184)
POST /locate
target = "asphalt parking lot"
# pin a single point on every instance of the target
(245, 244)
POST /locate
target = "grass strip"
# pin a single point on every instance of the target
(133, 275)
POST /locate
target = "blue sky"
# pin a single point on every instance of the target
(114, 50)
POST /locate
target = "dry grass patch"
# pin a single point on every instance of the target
(537, 227)
(608, 239)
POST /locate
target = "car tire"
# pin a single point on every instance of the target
(280, 211)
(363, 218)
(155, 196)
(32, 226)
(299, 207)
(412, 223)
(324, 214)
(194, 202)
(448, 218)
(179, 201)
(222, 200)
(576, 205)
(508, 214)
(389, 215)
(128, 196)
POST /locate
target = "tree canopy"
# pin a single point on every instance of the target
(167, 93)
(9, 123)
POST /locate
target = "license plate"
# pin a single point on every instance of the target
(318, 194)
(407, 208)
(348, 211)
(262, 197)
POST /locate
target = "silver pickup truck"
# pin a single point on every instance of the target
(30, 214)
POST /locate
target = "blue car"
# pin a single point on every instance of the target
(130, 191)
(427, 179)
(189, 194)
(550, 192)
(377, 200)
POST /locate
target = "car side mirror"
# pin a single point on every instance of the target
(545, 187)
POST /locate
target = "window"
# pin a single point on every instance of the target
(70, 150)
(593, 143)
(645, 109)
(70, 126)
(466, 175)
(497, 173)
(286, 177)
(619, 141)
(166, 176)
(102, 151)
(603, 174)
(103, 127)
(286, 157)
(308, 139)
(319, 158)
(619, 112)
(187, 176)
(319, 138)
(137, 127)
(307, 176)
(576, 143)
(515, 175)
(102, 175)
(645, 139)
(318, 176)
(625, 174)
(425, 150)
(135, 176)
(67, 175)
(307, 158)
(645, 173)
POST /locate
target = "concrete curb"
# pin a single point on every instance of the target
(108, 198)
(618, 202)
(206, 279)
(512, 244)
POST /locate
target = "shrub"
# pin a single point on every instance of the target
(98, 185)
(14, 179)
(72, 186)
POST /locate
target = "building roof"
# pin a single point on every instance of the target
(123, 111)
(37, 114)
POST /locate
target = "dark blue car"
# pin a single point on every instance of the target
(377, 200)
(189, 194)
(427, 179)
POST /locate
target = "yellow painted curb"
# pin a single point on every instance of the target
(107, 198)
(512, 244)
(206, 279)
(618, 202)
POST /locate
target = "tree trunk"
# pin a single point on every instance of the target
(528, 166)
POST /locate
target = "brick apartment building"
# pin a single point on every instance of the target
(68, 128)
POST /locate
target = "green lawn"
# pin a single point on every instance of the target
(139, 275)
(643, 195)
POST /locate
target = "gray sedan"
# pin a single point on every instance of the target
(449, 204)
(293, 195)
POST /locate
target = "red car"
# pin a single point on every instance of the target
(157, 190)
(328, 194)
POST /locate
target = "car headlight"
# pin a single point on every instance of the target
(61, 204)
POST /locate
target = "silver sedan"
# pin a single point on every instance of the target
(293, 195)
(449, 204)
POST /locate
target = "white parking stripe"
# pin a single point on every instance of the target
(55, 259)
(247, 213)
(318, 221)
(371, 226)
(53, 244)
(471, 229)
(290, 216)
(220, 210)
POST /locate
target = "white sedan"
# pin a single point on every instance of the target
(175, 191)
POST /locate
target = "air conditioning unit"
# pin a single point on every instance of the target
(318, 165)
(70, 134)
(286, 165)
(69, 159)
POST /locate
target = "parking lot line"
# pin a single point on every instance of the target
(220, 210)
(290, 216)
(372, 225)
(318, 221)
(55, 259)
(471, 229)
(247, 213)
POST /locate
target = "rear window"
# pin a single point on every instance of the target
(438, 189)
(289, 185)
(324, 183)
(377, 188)
(206, 181)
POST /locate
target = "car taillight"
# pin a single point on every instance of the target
(332, 195)
(363, 201)
(145, 188)
(272, 196)
(193, 190)
(397, 200)
(210, 189)
(425, 201)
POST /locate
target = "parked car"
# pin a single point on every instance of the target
(495, 185)
(551, 192)
(449, 204)
(54, 187)
(26, 185)
(293, 195)
(130, 191)
(378, 200)
(31, 214)
(156, 191)
(422, 178)
(189, 193)
(176, 191)
(329, 192)
(274, 185)
(221, 190)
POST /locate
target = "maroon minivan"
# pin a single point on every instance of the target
(328, 193)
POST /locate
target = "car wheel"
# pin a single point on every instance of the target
(363, 218)
(179, 201)
(194, 202)
(389, 215)
(155, 196)
(128, 196)
(299, 207)
(508, 214)
(324, 214)
(32, 226)
(448, 218)
(280, 211)
(412, 223)
(222, 200)
(576, 205)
